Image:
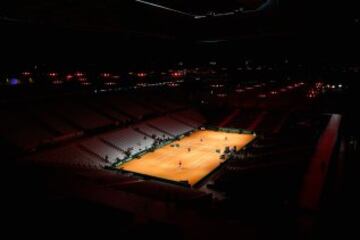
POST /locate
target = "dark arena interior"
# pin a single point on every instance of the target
(159, 119)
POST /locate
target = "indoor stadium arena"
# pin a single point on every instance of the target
(159, 119)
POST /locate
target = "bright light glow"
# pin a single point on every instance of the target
(52, 74)
(173, 85)
(141, 74)
(26, 73)
(105, 75)
(14, 81)
(79, 74)
(176, 74)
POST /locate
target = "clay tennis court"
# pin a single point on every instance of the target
(181, 164)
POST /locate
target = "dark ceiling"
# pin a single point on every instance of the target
(192, 19)
(204, 7)
(89, 25)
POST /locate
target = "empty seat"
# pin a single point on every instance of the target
(69, 156)
(150, 131)
(102, 149)
(171, 126)
(23, 131)
(128, 139)
(81, 116)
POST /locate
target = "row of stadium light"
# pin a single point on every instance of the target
(282, 90)
(240, 89)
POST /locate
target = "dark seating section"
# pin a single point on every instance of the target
(128, 140)
(80, 115)
(115, 144)
(244, 118)
(38, 123)
(271, 121)
(102, 150)
(170, 126)
(189, 117)
(271, 170)
(159, 102)
(151, 131)
(62, 128)
(108, 128)
(67, 157)
(128, 107)
(23, 131)
(148, 189)
(163, 191)
(106, 110)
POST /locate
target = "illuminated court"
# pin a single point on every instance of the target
(194, 159)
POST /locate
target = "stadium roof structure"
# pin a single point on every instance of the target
(197, 20)
(206, 22)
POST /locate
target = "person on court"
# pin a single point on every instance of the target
(180, 164)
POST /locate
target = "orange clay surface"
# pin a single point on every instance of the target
(180, 164)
